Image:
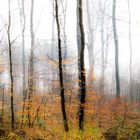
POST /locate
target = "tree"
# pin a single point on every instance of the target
(11, 64)
(81, 64)
(116, 49)
(31, 64)
(60, 69)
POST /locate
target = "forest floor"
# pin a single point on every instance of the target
(90, 134)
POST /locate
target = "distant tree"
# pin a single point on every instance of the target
(116, 49)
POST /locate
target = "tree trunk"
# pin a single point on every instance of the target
(81, 64)
(31, 65)
(11, 66)
(116, 50)
(60, 69)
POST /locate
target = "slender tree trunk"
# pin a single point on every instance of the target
(81, 64)
(60, 69)
(116, 50)
(11, 66)
(31, 65)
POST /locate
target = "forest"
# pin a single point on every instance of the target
(69, 70)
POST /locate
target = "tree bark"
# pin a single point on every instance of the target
(60, 69)
(81, 64)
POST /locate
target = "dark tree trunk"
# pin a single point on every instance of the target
(11, 67)
(81, 65)
(116, 49)
(60, 69)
